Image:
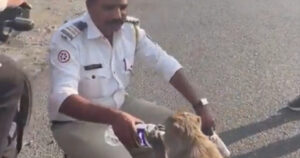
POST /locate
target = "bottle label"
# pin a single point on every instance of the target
(141, 132)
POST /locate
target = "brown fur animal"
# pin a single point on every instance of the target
(184, 139)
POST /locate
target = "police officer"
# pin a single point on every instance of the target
(13, 83)
(91, 61)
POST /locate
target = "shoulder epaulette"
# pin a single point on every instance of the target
(132, 20)
(135, 22)
(72, 31)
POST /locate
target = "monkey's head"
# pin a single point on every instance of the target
(184, 124)
(182, 131)
(184, 138)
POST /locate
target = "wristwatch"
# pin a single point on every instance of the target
(202, 102)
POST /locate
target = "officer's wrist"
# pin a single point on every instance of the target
(200, 105)
(115, 114)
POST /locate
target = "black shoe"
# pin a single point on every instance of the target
(295, 104)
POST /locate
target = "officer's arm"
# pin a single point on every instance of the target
(154, 56)
(180, 82)
(82, 109)
(64, 98)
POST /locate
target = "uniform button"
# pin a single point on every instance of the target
(114, 72)
(93, 76)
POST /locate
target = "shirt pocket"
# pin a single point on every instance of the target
(95, 83)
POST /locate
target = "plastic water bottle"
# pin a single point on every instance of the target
(148, 131)
(142, 130)
(220, 144)
(110, 138)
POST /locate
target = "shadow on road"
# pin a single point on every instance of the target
(273, 150)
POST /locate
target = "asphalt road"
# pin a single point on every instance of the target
(244, 56)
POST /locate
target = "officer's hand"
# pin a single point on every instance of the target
(124, 128)
(14, 3)
(208, 123)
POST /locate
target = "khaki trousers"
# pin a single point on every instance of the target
(86, 140)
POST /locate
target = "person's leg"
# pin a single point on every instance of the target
(86, 140)
(148, 112)
(11, 87)
(11, 150)
(6, 117)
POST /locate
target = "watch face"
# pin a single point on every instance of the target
(204, 101)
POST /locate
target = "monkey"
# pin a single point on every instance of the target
(183, 138)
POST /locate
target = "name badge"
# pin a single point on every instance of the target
(92, 67)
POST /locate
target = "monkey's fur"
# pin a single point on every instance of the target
(184, 139)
